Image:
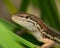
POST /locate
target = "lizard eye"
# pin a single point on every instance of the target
(26, 17)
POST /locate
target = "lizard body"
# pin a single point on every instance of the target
(37, 28)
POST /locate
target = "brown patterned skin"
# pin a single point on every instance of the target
(50, 34)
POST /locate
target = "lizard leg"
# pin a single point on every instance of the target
(40, 37)
(22, 31)
(48, 43)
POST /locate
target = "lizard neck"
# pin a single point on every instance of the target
(49, 32)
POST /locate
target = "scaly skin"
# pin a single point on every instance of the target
(38, 29)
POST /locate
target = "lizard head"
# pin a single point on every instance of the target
(24, 20)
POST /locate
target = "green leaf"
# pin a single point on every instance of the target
(8, 39)
(24, 5)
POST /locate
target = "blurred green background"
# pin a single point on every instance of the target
(47, 10)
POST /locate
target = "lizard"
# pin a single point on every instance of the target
(37, 28)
